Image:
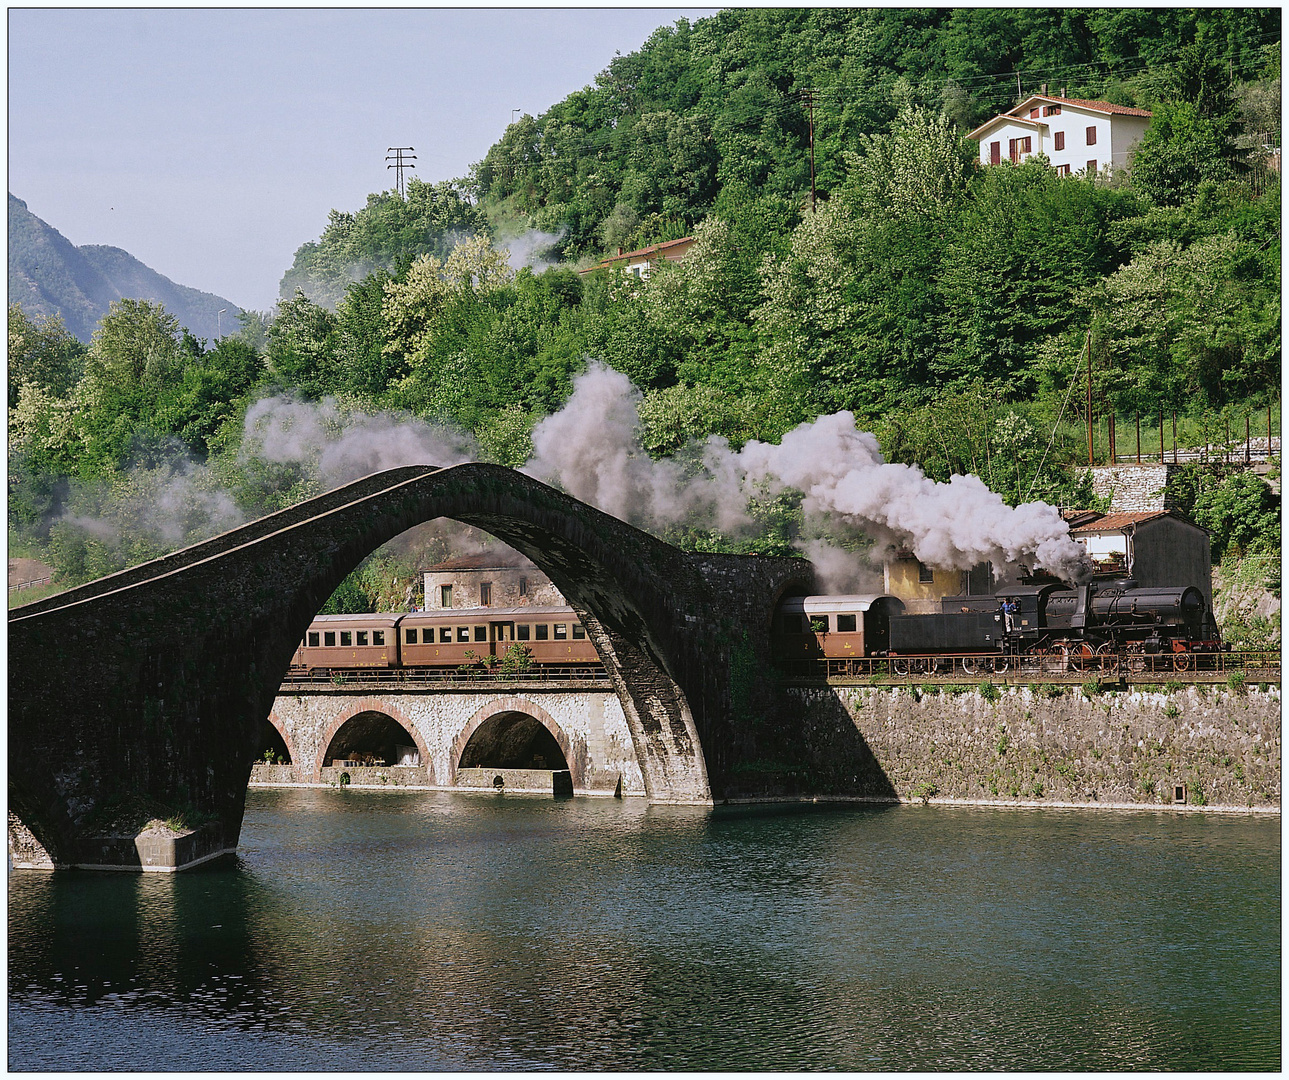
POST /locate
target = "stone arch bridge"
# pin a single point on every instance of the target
(148, 688)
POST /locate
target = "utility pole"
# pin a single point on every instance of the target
(808, 97)
(1088, 348)
(400, 163)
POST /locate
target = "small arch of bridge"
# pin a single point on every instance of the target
(380, 707)
(521, 706)
(284, 734)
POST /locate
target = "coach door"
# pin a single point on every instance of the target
(501, 635)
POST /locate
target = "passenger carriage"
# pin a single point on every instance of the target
(840, 630)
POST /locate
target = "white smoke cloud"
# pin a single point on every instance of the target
(592, 449)
(170, 506)
(336, 447)
(530, 249)
(953, 525)
(844, 572)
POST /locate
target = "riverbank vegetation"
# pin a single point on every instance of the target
(954, 309)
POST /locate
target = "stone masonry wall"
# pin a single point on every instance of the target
(1135, 488)
(600, 749)
(1114, 748)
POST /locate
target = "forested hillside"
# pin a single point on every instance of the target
(952, 309)
(48, 275)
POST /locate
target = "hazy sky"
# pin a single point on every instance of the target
(211, 143)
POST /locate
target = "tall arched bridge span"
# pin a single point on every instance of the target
(151, 685)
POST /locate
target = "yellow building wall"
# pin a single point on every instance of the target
(920, 597)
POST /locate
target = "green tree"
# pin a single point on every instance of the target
(42, 353)
(302, 346)
(1241, 514)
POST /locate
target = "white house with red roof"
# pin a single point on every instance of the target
(1077, 136)
(638, 263)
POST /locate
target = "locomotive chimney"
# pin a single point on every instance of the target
(1079, 620)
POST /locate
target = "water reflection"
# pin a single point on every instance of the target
(414, 930)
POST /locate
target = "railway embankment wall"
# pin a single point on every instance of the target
(1049, 745)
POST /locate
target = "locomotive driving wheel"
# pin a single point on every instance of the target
(1000, 665)
(900, 665)
(969, 665)
(1182, 661)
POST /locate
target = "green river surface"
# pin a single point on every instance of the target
(409, 930)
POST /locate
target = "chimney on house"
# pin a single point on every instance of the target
(1062, 91)
(619, 251)
(1044, 91)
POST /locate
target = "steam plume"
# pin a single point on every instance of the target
(336, 447)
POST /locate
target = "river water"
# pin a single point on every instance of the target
(402, 930)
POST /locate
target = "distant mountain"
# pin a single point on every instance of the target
(48, 275)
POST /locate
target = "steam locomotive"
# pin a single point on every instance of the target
(971, 634)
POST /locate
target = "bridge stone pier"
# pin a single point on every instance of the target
(148, 689)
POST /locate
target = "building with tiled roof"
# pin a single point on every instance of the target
(1156, 547)
(641, 261)
(1077, 135)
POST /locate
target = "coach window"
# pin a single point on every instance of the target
(362, 637)
(521, 632)
(579, 631)
(409, 637)
(445, 596)
(481, 633)
(378, 637)
(561, 631)
(845, 624)
(485, 594)
(313, 639)
(346, 638)
(445, 634)
(463, 633)
(543, 631)
(329, 638)
(819, 624)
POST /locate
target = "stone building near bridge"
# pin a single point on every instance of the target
(499, 577)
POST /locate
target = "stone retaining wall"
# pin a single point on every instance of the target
(1054, 745)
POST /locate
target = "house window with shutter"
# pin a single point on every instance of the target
(1062, 170)
(1033, 114)
(1092, 167)
(1052, 110)
(1092, 136)
(995, 153)
(1058, 140)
